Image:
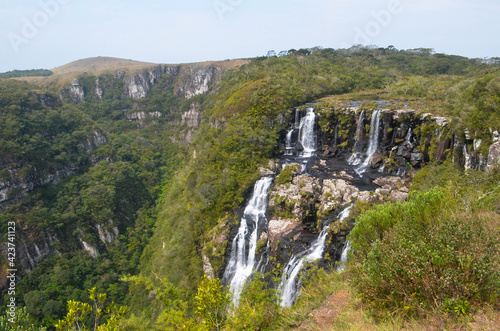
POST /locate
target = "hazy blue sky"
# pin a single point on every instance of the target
(50, 33)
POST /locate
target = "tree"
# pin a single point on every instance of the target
(22, 322)
(212, 301)
(84, 316)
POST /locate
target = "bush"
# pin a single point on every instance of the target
(258, 308)
(432, 256)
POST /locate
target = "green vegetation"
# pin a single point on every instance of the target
(436, 251)
(26, 73)
(172, 192)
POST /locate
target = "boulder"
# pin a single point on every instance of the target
(398, 196)
(265, 172)
(279, 227)
(375, 159)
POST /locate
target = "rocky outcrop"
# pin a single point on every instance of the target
(197, 79)
(99, 92)
(76, 93)
(142, 115)
(137, 86)
(280, 227)
(188, 81)
(294, 199)
(192, 117)
(97, 140)
(32, 250)
(17, 187)
(494, 152)
(107, 232)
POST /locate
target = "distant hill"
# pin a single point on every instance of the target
(99, 64)
(96, 65)
(26, 73)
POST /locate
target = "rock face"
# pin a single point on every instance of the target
(407, 140)
(494, 156)
(107, 232)
(32, 251)
(188, 81)
(23, 185)
(300, 207)
(76, 92)
(192, 117)
(138, 85)
(196, 79)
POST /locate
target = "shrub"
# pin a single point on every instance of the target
(431, 257)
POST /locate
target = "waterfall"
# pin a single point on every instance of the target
(343, 257)
(374, 133)
(297, 118)
(408, 136)
(355, 158)
(242, 260)
(289, 147)
(372, 144)
(307, 137)
(289, 285)
(359, 130)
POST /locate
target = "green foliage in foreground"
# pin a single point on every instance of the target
(438, 250)
(22, 322)
(97, 316)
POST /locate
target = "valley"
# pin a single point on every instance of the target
(251, 192)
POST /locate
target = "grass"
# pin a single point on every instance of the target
(329, 303)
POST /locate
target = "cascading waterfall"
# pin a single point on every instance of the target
(343, 257)
(360, 128)
(374, 133)
(307, 137)
(372, 143)
(289, 147)
(242, 261)
(355, 158)
(289, 285)
(297, 118)
(408, 136)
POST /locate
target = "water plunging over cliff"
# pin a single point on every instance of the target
(357, 155)
(307, 136)
(374, 133)
(289, 284)
(358, 160)
(289, 145)
(242, 261)
(343, 257)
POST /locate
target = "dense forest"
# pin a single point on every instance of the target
(129, 197)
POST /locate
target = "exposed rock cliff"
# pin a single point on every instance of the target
(137, 86)
(188, 81)
(197, 79)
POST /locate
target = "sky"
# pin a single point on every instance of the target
(50, 33)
